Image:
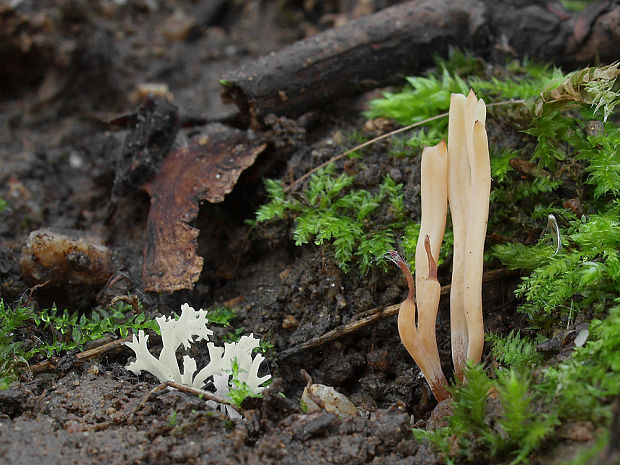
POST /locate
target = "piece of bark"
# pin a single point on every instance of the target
(376, 50)
(207, 169)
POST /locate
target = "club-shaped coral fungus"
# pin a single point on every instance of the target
(469, 185)
(458, 175)
(419, 338)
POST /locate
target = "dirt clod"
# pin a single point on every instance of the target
(61, 259)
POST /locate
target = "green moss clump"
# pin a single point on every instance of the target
(331, 212)
(494, 420)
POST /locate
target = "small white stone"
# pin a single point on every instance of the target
(75, 161)
(582, 337)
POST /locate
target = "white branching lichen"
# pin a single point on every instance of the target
(193, 323)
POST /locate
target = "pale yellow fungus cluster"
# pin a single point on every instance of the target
(457, 175)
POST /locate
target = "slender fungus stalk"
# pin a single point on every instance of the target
(458, 196)
(476, 232)
(434, 205)
(469, 184)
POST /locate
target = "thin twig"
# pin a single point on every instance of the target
(354, 326)
(385, 136)
(181, 387)
(148, 397)
(32, 289)
(361, 146)
(97, 352)
(373, 315)
(203, 394)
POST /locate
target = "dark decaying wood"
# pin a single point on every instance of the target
(375, 50)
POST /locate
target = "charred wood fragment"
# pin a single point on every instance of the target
(153, 128)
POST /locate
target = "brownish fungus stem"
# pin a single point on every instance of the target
(419, 340)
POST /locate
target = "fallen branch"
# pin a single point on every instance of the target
(377, 49)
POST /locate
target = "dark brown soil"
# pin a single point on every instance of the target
(71, 66)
